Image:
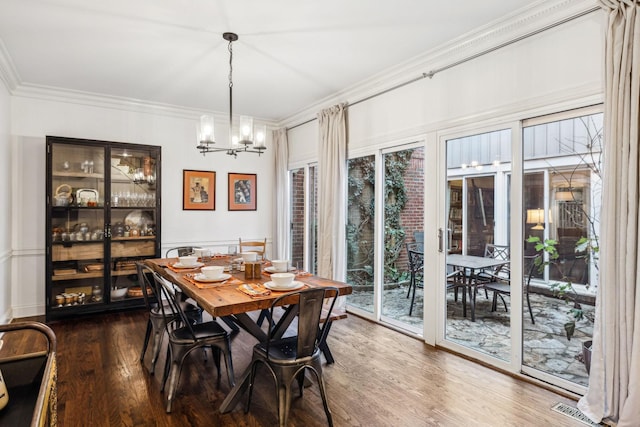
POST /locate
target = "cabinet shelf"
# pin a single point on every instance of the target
(78, 175)
(106, 262)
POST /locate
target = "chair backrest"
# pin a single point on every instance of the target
(310, 306)
(180, 251)
(418, 236)
(496, 251)
(499, 252)
(416, 260)
(144, 272)
(170, 307)
(257, 246)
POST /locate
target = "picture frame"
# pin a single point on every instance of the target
(242, 191)
(198, 190)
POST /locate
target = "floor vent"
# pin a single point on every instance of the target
(574, 413)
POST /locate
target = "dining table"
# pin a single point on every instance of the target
(471, 266)
(230, 300)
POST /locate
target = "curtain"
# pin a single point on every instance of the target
(281, 146)
(614, 382)
(332, 196)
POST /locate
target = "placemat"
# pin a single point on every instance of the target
(254, 290)
(206, 285)
(181, 270)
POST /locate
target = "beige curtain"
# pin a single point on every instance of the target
(332, 170)
(614, 381)
(281, 237)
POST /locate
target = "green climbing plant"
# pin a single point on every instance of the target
(360, 224)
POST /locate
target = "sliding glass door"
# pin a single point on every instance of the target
(561, 208)
(478, 249)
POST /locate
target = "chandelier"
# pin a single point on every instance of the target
(249, 139)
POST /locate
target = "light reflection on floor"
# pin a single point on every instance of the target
(546, 347)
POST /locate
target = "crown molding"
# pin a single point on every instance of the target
(8, 72)
(97, 100)
(530, 19)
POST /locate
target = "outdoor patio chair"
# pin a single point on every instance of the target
(502, 271)
(416, 269)
(503, 287)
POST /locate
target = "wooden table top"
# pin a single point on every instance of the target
(226, 299)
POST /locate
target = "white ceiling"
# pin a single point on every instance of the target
(291, 53)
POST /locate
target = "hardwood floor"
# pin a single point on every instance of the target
(380, 378)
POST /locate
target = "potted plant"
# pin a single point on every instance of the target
(586, 249)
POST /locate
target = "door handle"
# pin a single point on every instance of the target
(440, 240)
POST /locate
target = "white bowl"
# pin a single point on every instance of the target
(280, 265)
(212, 271)
(249, 256)
(118, 293)
(283, 280)
(188, 260)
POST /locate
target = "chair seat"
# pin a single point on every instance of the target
(201, 331)
(283, 352)
(502, 287)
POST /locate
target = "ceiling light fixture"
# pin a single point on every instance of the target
(251, 138)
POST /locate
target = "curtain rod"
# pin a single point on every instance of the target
(432, 73)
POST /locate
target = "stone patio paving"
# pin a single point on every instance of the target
(546, 347)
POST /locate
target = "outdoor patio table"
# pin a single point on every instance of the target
(471, 265)
(225, 300)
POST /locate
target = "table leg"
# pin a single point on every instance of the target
(234, 396)
(246, 322)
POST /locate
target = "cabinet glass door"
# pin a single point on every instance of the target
(133, 222)
(77, 226)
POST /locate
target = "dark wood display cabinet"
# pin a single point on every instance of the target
(103, 214)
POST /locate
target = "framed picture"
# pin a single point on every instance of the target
(198, 190)
(242, 192)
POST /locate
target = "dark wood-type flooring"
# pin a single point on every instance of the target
(380, 378)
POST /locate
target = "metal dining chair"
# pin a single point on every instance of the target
(157, 319)
(289, 358)
(185, 337)
(180, 251)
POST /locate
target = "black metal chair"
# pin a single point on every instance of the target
(185, 337)
(157, 320)
(503, 287)
(289, 358)
(500, 272)
(180, 251)
(416, 270)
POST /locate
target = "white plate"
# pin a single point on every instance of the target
(202, 278)
(179, 265)
(273, 270)
(295, 285)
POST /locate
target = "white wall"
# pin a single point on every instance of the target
(5, 201)
(560, 65)
(33, 118)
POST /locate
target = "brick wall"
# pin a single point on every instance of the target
(297, 216)
(412, 217)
